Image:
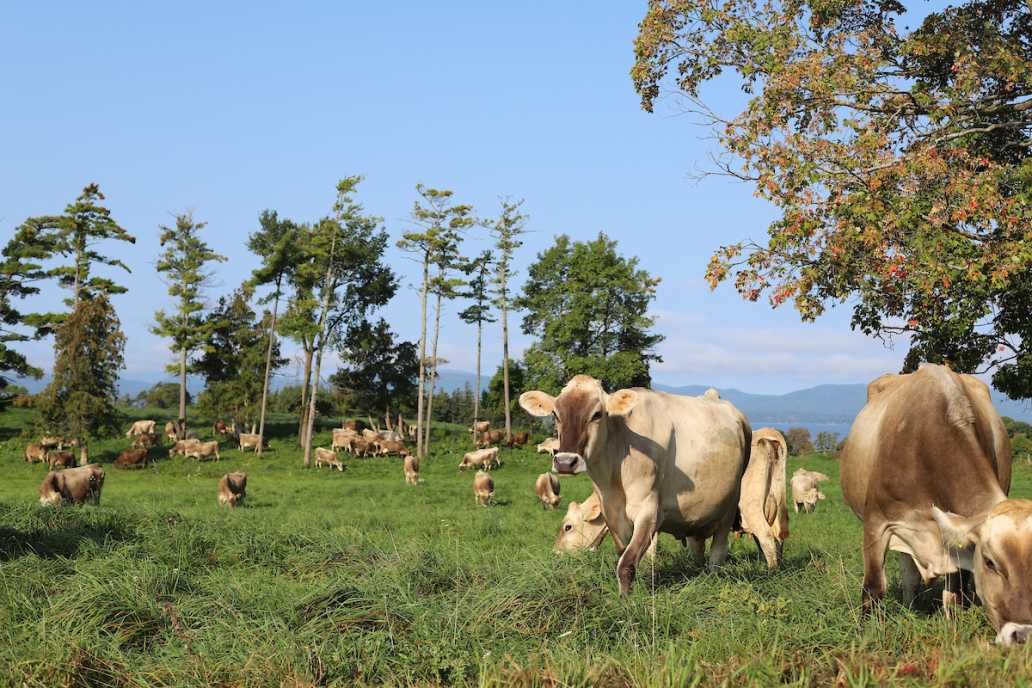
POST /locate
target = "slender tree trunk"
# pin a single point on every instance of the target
(181, 432)
(302, 413)
(268, 368)
(433, 375)
(476, 392)
(505, 367)
(422, 355)
(328, 289)
(310, 419)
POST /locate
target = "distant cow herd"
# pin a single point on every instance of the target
(926, 468)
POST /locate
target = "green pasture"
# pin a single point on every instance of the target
(355, 578)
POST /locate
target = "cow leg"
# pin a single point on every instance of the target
(697, 547)
(641, 539)
(951, 593)
(719, 546)
(911, 577)
(795, 505)
(876, 541)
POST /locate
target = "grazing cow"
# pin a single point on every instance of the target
(362, 447)
(659, 462)
(51, 442)
(583, 528)
(480, 458)
(927, 468)
(60, 459)
(140, 427)
(389, 436)
(762, 504)
(342, 439)
(170, 431)
(480, 426)
(181, 447)
(132, 458)
(327, 457)
(145, 441)
(490, 437)
(248, 440)
(549, 446)
(203, 450)
(547, 489)
(411, 470)
(232, 489)
(805, 489)
(483, 488)
(72, 486)
(392, 447)
(518, 439)
(35, 453)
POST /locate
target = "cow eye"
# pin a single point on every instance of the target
(596, 416)
(567, 527)
(990, 564)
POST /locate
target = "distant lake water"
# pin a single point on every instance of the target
(842, 429)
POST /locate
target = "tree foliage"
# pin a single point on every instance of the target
(79, 402)
(588, 307)
(163, 395)
(378, 373)
(898, 161)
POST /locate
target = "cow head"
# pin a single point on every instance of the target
(583, 528)
(581, 412)
(997, 548)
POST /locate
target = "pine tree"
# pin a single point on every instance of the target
(183, 262)
(507, 229)
(479, 312)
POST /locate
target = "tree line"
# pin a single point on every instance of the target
(321, 284)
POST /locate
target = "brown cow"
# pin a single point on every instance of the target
(762, 504)
(659, 462)
(132, 458)
(232, 489)
(483, 488)
(490, 437)
(362, 447)
(35, 453)
(411, 470)
(547, 489)
(391, 447)
(927, 468)
(327, 457)
(203, 450)
(60, 459)
(72, 486)
(170, 431)
(518, 439)
(181, 447)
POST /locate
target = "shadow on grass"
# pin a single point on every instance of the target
(62, 537)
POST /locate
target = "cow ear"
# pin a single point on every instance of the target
(593, 511)
(537, 403)
(621, 403)
(960, 534)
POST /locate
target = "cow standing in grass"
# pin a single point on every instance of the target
(35, 453)
(763, 502)
(547, 490)
(483, 488)
(806, 489)
(327, 457)
(232, 489)
(411, 470)
(72, 486)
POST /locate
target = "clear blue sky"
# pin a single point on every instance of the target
(227, 108)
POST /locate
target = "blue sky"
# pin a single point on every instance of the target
(226, 109)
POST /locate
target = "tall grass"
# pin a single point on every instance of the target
(355, 578)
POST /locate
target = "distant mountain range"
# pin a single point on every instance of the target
(821, 404)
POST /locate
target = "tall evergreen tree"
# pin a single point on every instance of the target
(477, 313)
(300, 322)
(183, 263)
(588, 306)
(16, 278)
(276, 243)
(378, 373)
(507, 229)
(79, 402)
(439, 225)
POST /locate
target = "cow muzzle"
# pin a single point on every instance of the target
(568, 463)
(1013, 634)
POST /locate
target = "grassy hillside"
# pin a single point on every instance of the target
(358, 579)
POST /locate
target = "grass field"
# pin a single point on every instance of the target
(355, 578)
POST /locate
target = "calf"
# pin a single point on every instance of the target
(547, 490)
(762, 505)
(518, 439)
(132, 458)
(805, 490)
(181, 447)
(60, 459)
(72, 486)
(483, 488)
(342, 439)
(35, 453)
(233, 489)
(549, 446)
(483, 458)
(327, 457)
(249, 440)
(411, 470)
(203, 450)
(140, 427)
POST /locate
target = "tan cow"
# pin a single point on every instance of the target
(249, 440)
(480, 458)
(35, 453)
(659, 462)
(145, 441)
(549, 446)
(480, 426)
(170, 431)
(584, 526)
(488, 438)
(328, 457)
(232, 489)
(203, 450)
(342, 439)
(483, 488)
(60, 459)
(51, 442)
(927, 468)
(762, 504)
(72, 486)
(181, 447)
(132, 458)
(806, 489)
(391, 447)
(360, 446)
(547, 489)
(140, 427)
(411, 470)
